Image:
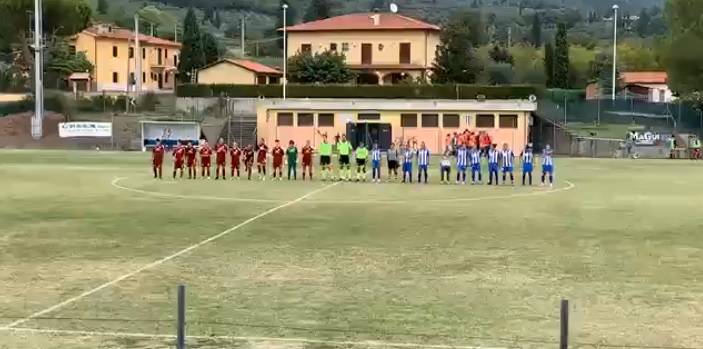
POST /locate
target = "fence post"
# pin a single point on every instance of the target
(564, 325)
(181, 325)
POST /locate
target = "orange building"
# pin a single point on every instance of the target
(383, 48)
(390, 120)
(111, 51)
(238, 71)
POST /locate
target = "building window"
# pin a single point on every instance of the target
(261, 79)
(115, 77)
(132, 81)
(131, 52)
(274, 80)
(166, 78)
(158, 56)
(306, 119)
(114, 51)
(408, 120)
(507, 121)
(345, 46)
(451, 120)
(166, 54)
(485, 121)
(175, 60)
(325, 120)
(285, 119)
(305, 48)
(369, 116)
(333, 47)
(143, 77)
(430, 120)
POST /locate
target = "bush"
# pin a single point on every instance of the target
(358, 91)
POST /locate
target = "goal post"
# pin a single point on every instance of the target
(169, 132)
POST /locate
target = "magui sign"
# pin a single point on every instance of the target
(648, 138)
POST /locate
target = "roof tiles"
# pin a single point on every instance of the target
(364, 21)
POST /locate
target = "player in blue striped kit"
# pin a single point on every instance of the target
(508, 158)
(548, 165)
(462, 163)
(493, 164)
(527, 160)
(475, 161)
(376, 164)
(423, 162)
(408, 155)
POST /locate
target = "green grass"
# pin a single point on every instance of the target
(485, 267)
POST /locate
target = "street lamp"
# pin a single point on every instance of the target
(285, 49)
(615, 48)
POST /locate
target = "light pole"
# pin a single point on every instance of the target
(137, 57)
(615, 48)
(38, 118)
(285, 50)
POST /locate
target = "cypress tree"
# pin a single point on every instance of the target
(549, 64)
(192, 55)
(537, 30)
(561, 58)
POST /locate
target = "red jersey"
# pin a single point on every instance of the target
(179, 153)
(222, 151)
(261, 154)
(249, 156)
(158, 152)
(205, 152)
(307, 154)
(235, 154)
(278, 153)
(190, 153)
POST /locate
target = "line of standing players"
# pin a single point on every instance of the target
(186, 156)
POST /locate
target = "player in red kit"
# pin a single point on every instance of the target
(178, 159)
(221, 158)
(277, 154)
(205, 159)
(261, 156)
(191, 155)
(235, 158)
(307, 159)
(157, 159)
(249, 159)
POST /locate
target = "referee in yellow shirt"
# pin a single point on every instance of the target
(344, 149)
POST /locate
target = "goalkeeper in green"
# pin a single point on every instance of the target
(292, 160)
(361, 155)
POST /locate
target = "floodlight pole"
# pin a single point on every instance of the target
(137, 57)
(615, 48)
(38, 118)
(285, 50)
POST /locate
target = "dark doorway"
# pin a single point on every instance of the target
(370, 133)
(366, 54)
(161, 80)
(404, 54)
(367, 79)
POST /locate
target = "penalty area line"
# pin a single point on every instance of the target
(164, 260)
(245, 338)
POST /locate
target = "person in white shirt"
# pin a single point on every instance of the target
(445, 167)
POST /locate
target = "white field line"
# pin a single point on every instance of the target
(165, 259)
(115, 183)
(251, 339)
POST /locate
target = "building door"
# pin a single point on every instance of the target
(385, 136)
(161, 80)
(366, 53)
(404, 57)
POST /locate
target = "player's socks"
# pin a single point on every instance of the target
(473, 176)
(544, 175)
(463, 176)
(551, 179)
(425, 176)
(156, 172)
(174, 174)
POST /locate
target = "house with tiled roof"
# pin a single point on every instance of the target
(382, 48)
(239, 72)
(650, 86)
(111, 49)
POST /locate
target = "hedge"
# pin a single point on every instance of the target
(15, 107)
(359, 91)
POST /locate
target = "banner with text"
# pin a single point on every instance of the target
(85, 129)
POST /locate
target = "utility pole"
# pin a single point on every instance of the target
(615, 49)
(137, 57)
(510, 36)
(241, 44)
(38, 118)
(175, 32)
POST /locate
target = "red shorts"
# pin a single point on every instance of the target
(178, 163)
(307, 163)
(235, 163)
(190, 162)
(221, 161)
(157, 162)
(261, 162)
(277, 164)
(205, 162)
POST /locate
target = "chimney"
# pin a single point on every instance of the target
(376, 19)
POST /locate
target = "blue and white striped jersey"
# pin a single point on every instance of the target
(547, 158)
(508, 158)
(408, 156)
(462, 157)
(423, 157)
(493, 156)
(376, 155)
(475, 157)
(527, 157)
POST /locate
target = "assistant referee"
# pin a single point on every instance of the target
(344, 148)
(325, 150)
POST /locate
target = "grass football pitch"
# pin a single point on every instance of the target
(92, 250)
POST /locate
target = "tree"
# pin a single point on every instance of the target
(500, 74)
(685, 45)
(61, 18)
(549, 64)
(215, 20)
(328, 67)
(561, 58)
(643, 22)
(501, 55)
(102, 7)
(456, 60)
(192, 55)
(377, 5)
(60, 62)
(211, 49)
(318, 9)
(536, 30)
